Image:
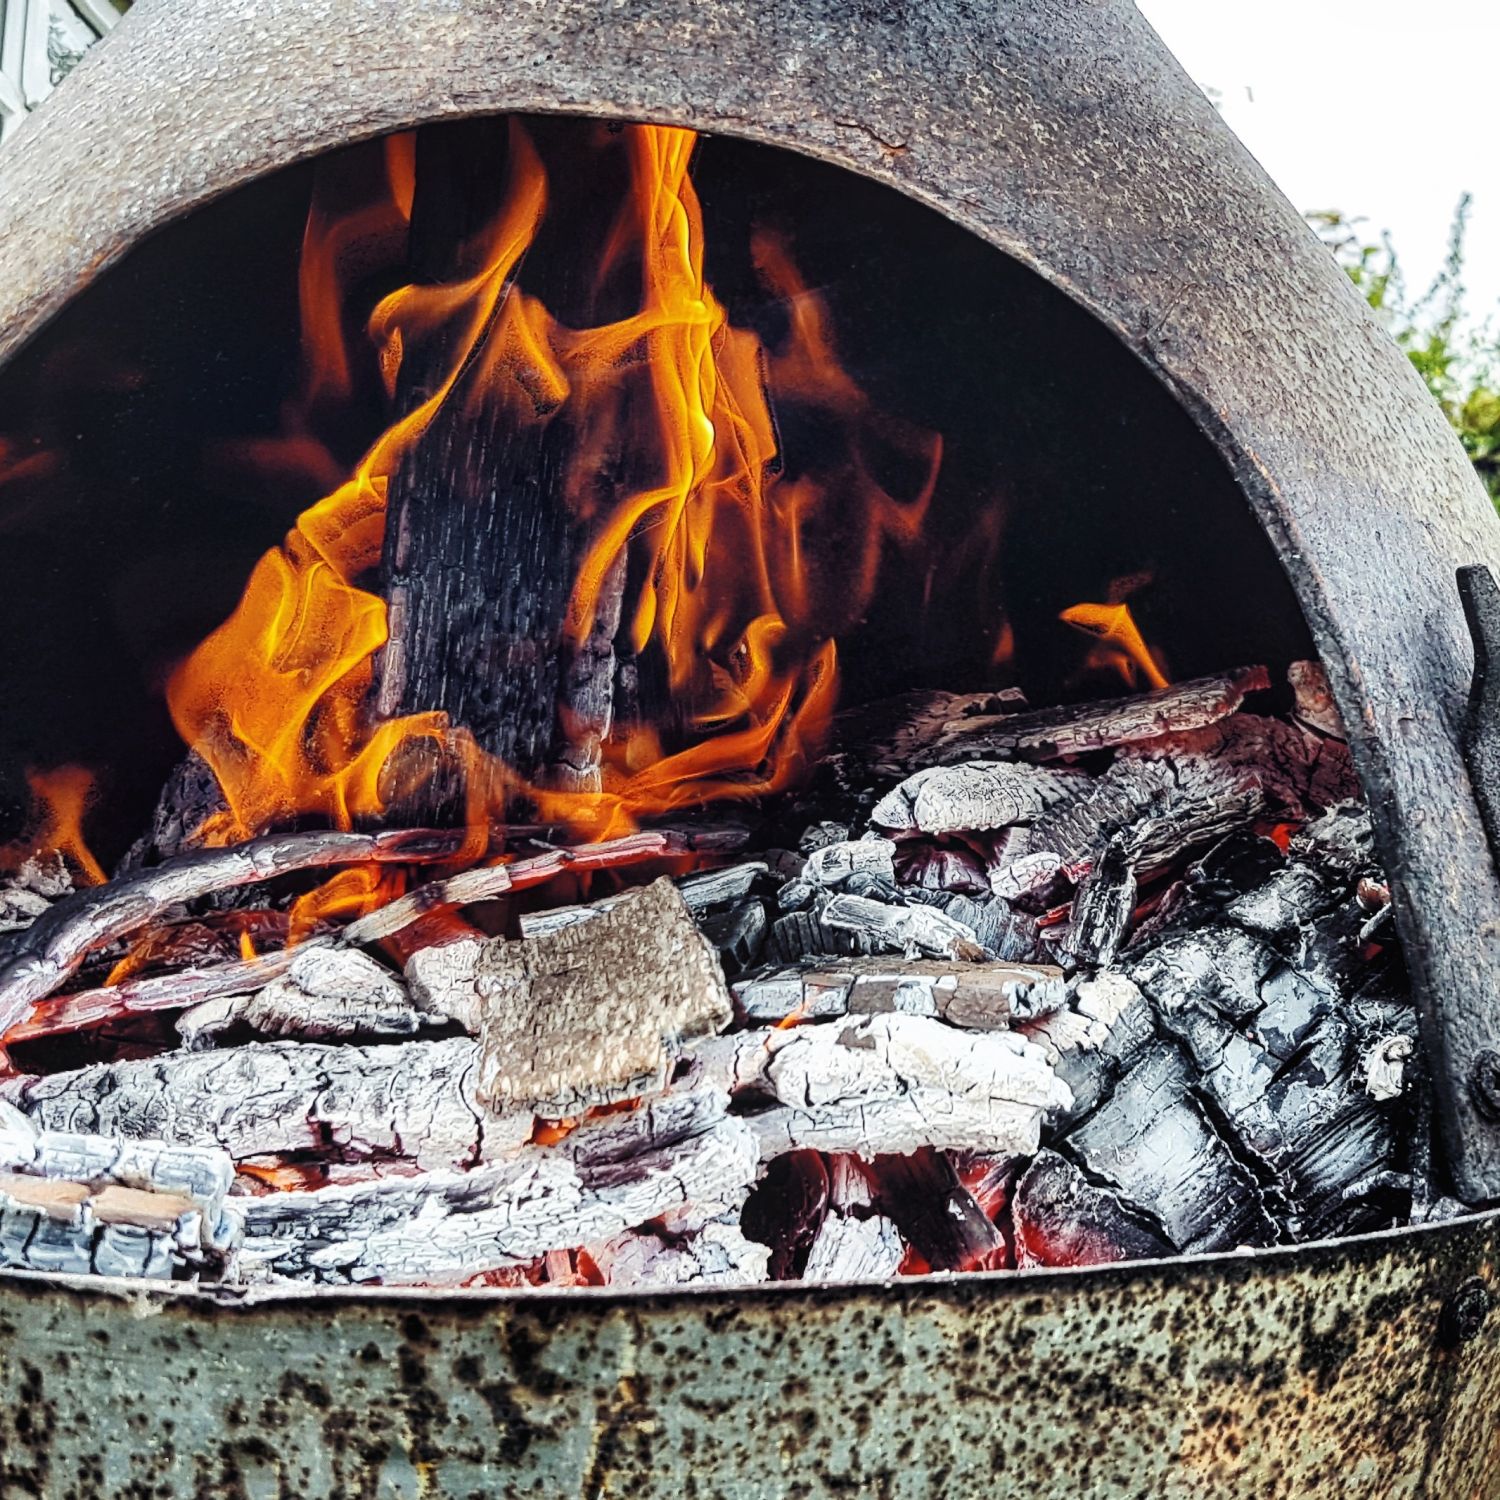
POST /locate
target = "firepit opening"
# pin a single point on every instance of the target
(625, 707)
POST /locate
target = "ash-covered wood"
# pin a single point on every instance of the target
(56, 944)
(326, 993)
(1102, 909)
(414, 1100)
(975, 796)
(1060, 1218)
(596, 1012)
(902, 929)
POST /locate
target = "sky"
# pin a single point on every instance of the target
(1383, 109)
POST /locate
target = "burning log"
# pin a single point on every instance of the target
(186, 988)
(1102, 910)
(56, 944)
(414, 1100)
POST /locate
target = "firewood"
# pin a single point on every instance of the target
(1102, 909)
(943, 729)
(86, 1009)
(411, 1099)
(444, 1227)
(1104, 1030)
(833, 864)
(976, 996)
(596, 1012)
(890, 1084)
(57, 943)
(326, 994)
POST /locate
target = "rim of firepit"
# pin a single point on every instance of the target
(248, 1298)
(1064, 135)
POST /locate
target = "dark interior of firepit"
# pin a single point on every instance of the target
(138, 483)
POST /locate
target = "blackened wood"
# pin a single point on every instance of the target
(1060, 1218)
(786, 1209)
(479, 552)
(1102, 909)
(936, 1214)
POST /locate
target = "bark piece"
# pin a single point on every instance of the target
(902, 929)
(971, 797)
(1060, 1218)
(891, 1084)
(327, 993)
(596, 1012)
(1314, 707)
(413, 1100)
(56, 944)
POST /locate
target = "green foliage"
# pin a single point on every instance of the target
(1458, 359)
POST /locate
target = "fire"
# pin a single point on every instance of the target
(63, 796)
(1121, 644)
(746, 574)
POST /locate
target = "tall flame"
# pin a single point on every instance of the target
(278, 699)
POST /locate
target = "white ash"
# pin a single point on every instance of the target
(903, 929)
(445, 1228)
(853, 1249)
(891, 1084)
(1025, 876)
(443, 980)
(1385, 1066)
(328, 993)
(715, 1254)
(972, 797)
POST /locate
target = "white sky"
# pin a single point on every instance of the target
(1385, 109)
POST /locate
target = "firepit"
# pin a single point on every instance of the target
(773, 750)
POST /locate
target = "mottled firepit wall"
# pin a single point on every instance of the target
(1113, 207)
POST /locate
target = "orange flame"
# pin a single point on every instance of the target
(63, 796)
(278, 699)
(1121, 643)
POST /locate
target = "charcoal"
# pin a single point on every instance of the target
(1152, 1143)
(786, 1209)
(935, 1213)
(851, 1248)
(797, 895)
(971, 797)
(1032, 875)
(707, 890)
(899, 929)
(1384, 1066)
(1284, 905)
(737, 934)
(1060, 1218)
(821, 836)
(1102, 910)
(934, 867)
(716, 1254)
(833, 864)
(803, 934)
(1101, 1034)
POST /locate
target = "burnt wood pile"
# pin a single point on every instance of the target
(995, 988)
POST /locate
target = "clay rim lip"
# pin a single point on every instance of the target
(149, 1296)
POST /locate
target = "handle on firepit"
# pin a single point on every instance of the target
(1481, 735)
